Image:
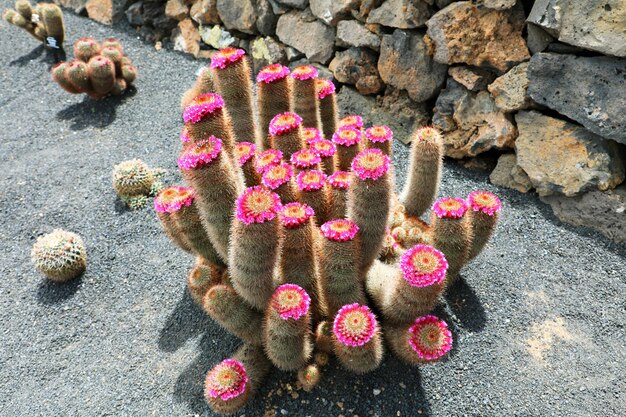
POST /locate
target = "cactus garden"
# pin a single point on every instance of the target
(231, 235)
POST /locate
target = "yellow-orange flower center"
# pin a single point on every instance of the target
(286, 119)
(242, 149)
(371, 161)
(295, 211)
(311, 178)
(348, 134)
(289, 299)
(303, 70)
(450, 205)
(259, 202)
(205, 148)
(355, 322)
(425, 262)
(485, 199)
(276, 172)
(341, 226)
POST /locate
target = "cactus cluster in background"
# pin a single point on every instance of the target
(302, 246)
(98, 70)
(44, 21)
(60, 255)
(134, 182)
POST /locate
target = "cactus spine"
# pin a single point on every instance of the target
(356, 338)
(483, 217)
(380, 137)
(205, 116)
(60, 255)
(313, 192)
(48, 28)
(428, 339)
(286, 134)
(326, 149)
(201, 279)
(309, 377)
(328, 106)
(347, 140)
(244, 156)
(273, 97)
(305, 98)
(339, 185)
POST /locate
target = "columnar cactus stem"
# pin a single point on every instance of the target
(298, 264)
(428, 339)
(339, 184)
(356, 338)
(324, 336)
(273, 97)
(279, 178)
(328, 106)
(86, 48)
(309, 377)
(380, 137)
(230, 311)
(209, 171)
(340, 279)
(206, 116)
(415, 290)
(326, 149)
(347, 141)
(58, 73)
(254, 245)
(452, 234)
(201, 279)
(177, 205)
(52, 18)
(244, 157)
(233, 382)
(313, 192)
(306, 159)
(204, 84)
(483, 217)
(232, 76)
(424, 176)
(287, 334)
(102, 74)
(305, 98)
(77, 73)
(286, 133)
(267, 159)
(49, 25)
(369, 202)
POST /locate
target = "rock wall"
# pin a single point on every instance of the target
(537, 84)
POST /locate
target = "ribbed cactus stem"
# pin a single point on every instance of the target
(254, 245)
(326, 149)
(425, 340)
(286, 134)
(243, 154)
(60, 255)
(233, 382)
(58, 73)
(200, 279)
(424, 176)
(77, 73)
(346, 140)
(115, 55)
(483, 217)
(380, 137)
(129, 73)
(209, 171)
(86, 48)
(309, 377)
(357, 342)
(324, 336)
(340, 279)
(339, 183)
(287, 334)
(52, 18)
(163, 207)
(273, 97)
(314, 193)
(369, 202)
(328, 106)
(298, 262)
(231, 311)
(452, 234)
(206, 116)
(232, 77)
(279, 179)
(305, 101)
(101, 73)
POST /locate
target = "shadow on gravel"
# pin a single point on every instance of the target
(50, 292)
(94, 113)
(466, 306)
(184, 323)
(48, 56)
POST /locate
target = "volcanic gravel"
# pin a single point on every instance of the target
(538, 318)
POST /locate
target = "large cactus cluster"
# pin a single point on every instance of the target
(44, 21)
(303, 248)
(98, 70)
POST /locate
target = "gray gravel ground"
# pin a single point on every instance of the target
(538, 319)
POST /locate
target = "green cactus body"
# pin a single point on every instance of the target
(114, 44)
(253, 254)
(86, 48)
(233, 81)
(328, 113)
(101, 74)
(217, 123)
(78, 75)
(309, 377)
(340, 278)
(357, 342)
(344, 156)
(114, 54)
(256, 367)
(119, 87)
(424, 175)
(134, 202)
(272, 98)
(59, 75)
(483, 218)
(52, 18)
(202, 278)
(287, 334)
(132, 178)
(60, 255)
(305, 101)
(217, 186)
(230, 311)
(324, 336)
(288, 143)
(369, 202)
(129, 73)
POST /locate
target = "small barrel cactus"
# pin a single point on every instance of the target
(60, 255)
(44, 22)
(134, 181)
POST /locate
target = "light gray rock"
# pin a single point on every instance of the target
(204, 12)
(134, 14)
(472, 78)
(278, 8)
(499, 4)
(510, 89)
(601, 210)
(238, 14)
(293, 54)
(352, 65)
(216, 37)
(509, 175)
(266, 18)
(401, 14)
(537, 39)
(563, 158)
(471, 122)
(307, 34)
(265, 51)
(332, 11)
(591, 24)
(404, 63)
(352, 33)
(589, 90)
